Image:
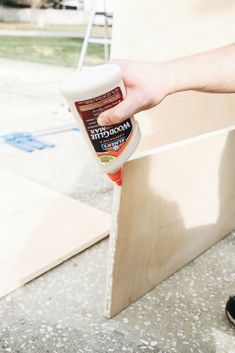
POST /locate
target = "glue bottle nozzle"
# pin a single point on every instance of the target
(116, 176)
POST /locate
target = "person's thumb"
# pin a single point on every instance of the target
(117, 114)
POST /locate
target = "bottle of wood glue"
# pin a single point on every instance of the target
(89, 93)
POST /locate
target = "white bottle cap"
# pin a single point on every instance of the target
(91, 82)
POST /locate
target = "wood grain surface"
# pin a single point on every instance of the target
(173, 206)
(40, 228)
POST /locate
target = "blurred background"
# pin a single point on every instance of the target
(40, 46)
(51, 31)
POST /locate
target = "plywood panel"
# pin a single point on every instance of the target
(185, 115)
(173, 205)
(159, 30)
(163, 29)
(40, 228)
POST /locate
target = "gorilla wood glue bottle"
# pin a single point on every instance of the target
(89, 93)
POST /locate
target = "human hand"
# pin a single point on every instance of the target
(146, 86)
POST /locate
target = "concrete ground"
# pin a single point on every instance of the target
(62, 311)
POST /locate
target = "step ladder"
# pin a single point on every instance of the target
(105, 40)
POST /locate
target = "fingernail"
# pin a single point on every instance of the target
(103, 121)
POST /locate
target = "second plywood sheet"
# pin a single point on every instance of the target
(40, 228)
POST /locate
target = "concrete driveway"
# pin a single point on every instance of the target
(30, 101)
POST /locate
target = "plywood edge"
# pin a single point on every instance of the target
(112, 247)
(188, 141)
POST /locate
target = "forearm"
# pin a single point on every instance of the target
(148, 84)
(212, 71)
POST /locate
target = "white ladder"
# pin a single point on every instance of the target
(105, 40)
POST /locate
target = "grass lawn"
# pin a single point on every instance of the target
(80, 29)
(55, 51)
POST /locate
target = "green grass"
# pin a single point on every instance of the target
(55, 51)
(80, 29)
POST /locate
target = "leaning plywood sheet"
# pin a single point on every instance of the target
(40, 228)
(162, 30)
(174, 204)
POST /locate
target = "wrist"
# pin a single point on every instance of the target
(187, 73)
(169, 76)
(175, 76)
(162, 80)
